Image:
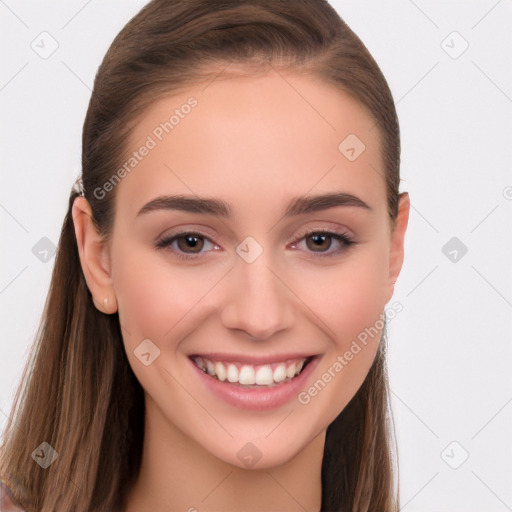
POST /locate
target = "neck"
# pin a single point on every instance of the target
(177, 474)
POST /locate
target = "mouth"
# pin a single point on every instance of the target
(259, 376)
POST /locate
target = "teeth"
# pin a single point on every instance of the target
(232, 373)
(210, 368)
(220, 371)
(264, 376)
(249, 375)
(290, 371)
(280, 373)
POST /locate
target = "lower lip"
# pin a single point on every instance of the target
(257, 398)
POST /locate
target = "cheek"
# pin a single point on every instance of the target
(348, 296)
(157, 299)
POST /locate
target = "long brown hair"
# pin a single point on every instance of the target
(78, 392)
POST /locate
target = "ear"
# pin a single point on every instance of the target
(396, 254)
(94, 257)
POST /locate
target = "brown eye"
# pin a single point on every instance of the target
(195, 243)
(320, 242)
(186, 244)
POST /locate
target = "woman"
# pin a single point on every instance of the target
(214, 333)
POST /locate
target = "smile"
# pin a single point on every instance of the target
(247, 375)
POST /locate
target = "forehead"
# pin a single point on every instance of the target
(281, 133)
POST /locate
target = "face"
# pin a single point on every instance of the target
(253, 318)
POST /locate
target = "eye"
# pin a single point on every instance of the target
(189, 245)
(185, 244)
(319, 242)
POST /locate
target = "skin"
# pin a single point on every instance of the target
(254, 142)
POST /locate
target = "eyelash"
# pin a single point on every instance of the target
(344, 238)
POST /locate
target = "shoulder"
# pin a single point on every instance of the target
(8, 502)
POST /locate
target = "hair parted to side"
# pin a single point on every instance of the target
(78, 392)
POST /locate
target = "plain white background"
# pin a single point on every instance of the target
(450, 348)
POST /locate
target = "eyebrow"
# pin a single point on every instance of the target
(219, 208)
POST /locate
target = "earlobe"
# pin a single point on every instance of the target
(94, 258)
(396, 256)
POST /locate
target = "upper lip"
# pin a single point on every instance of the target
(251, 359)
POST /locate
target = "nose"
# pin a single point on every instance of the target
(259, 301)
